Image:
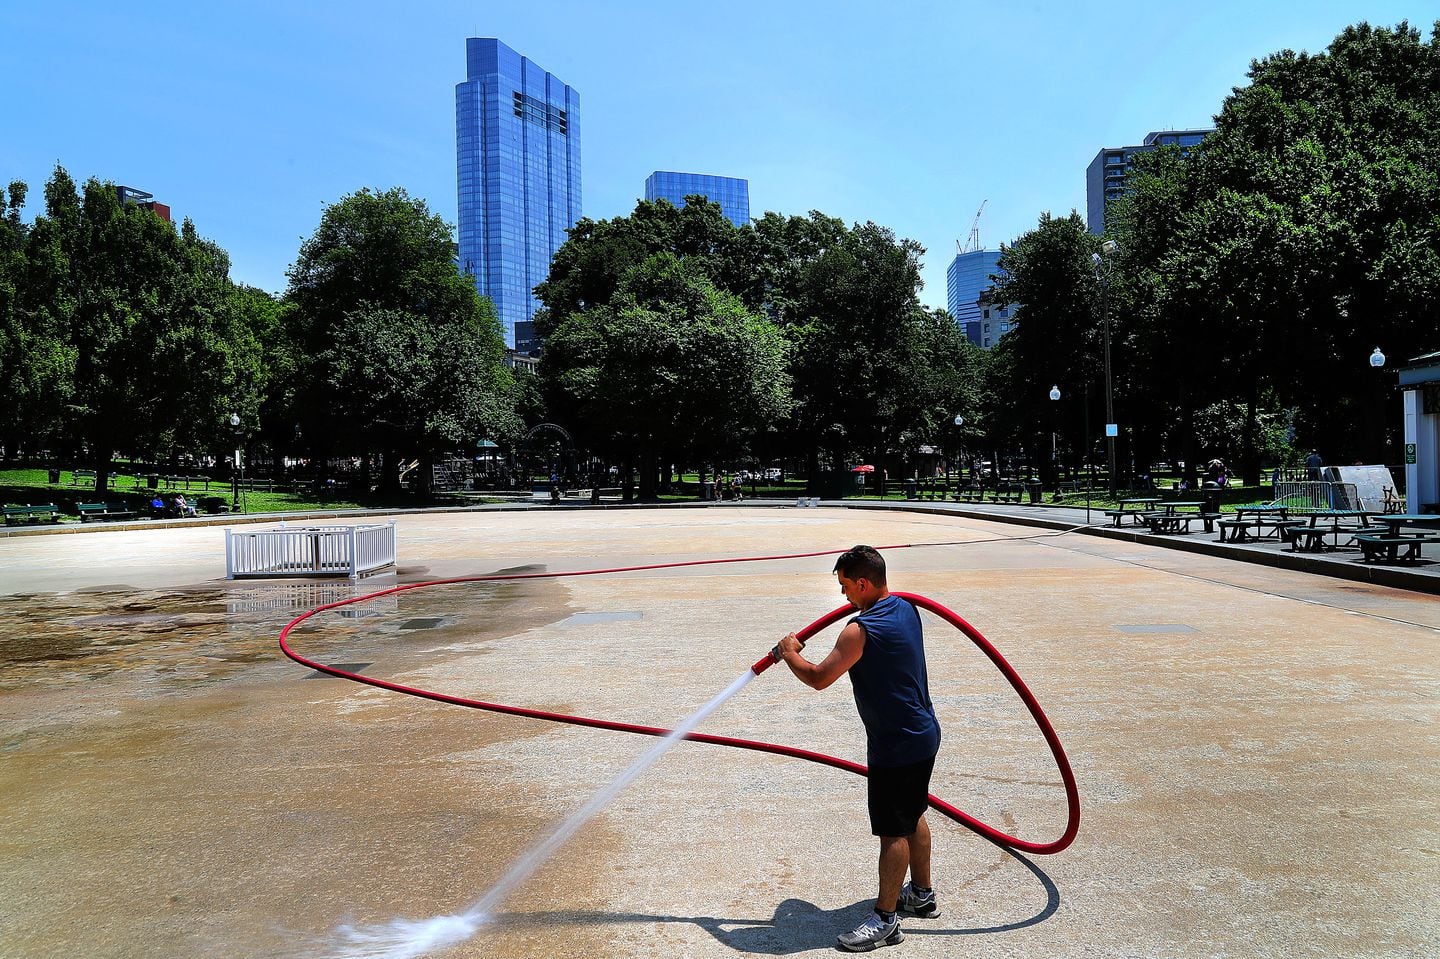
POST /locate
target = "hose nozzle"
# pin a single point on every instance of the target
(769, 659)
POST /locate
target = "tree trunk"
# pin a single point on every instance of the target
(1249, 460)
(390, 472)
(1190, 476)
(102, 473)
(648, 469)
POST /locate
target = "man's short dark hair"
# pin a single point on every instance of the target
(862, 562)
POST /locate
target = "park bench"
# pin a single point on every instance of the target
(1377, 546)
(1312, 539)
(48, 513)
(1253, 530)
(1007, 494)
(78, 475)
(1165, 523)
(974, 493)
(104, 511)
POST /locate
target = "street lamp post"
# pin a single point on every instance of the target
(959, 422)
(1054, 452)
(1055, 398)
(1054, 441)
(236, 475)
(1103, 267)
(1377, 362)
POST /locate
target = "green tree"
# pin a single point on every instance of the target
(671, 367)
(589, 267)
(396, 353)
(875, 373)
(1048, 277)
(138, 344)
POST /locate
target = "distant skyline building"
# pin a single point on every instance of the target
(128, 194)
(966, 279)
(1105, 177)
(517, 148)
(732, 193)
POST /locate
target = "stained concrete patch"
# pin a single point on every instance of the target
(591, 619)
(1156, 628)
(347, 667)
(428, 622)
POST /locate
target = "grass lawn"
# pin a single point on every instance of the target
(32, 486)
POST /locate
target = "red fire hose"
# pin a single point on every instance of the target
(1072, 793)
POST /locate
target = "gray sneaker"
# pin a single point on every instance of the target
(873, 933)
(923, 906)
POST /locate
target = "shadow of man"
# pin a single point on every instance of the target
(800, 926)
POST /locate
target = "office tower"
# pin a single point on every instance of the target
(731, 193)
(1105, 177)
(517, 145)
(966, 279)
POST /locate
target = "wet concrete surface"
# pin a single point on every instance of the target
(1257, 749)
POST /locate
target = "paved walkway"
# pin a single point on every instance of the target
(1255, 746)
(1422, 576)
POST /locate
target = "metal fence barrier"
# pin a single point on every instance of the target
(309, 551)
(1314, 494)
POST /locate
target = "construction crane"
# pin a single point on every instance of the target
(973, 243)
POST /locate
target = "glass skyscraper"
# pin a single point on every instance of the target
(731, 193)
(968, 277)
(517, 146)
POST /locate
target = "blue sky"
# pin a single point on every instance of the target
(249, 117)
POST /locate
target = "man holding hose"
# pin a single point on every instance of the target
(883, 650)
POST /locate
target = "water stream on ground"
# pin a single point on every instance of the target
(408, 939)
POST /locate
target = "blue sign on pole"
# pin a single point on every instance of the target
(1112, 429)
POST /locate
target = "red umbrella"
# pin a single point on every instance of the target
(866, 468)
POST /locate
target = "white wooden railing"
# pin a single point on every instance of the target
(309, 551)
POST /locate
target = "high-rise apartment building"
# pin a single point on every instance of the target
(517, 145)
(966, 279)
(1105, 177)
(731, 193)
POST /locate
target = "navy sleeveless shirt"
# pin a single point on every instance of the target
(892, 688)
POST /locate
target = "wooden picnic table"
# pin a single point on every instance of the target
(1136, 508)
(1326, 523)
(1170, 507)
(1337, 516)
(1394, 521)
(1139, 501)
(1254, 523)
(1261, 512)
(1389, 546)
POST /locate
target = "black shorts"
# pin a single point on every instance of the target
(898, 797)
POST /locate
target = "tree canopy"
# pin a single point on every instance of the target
(395, 351)
(791, 334)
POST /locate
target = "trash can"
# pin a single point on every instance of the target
(1035, 490)
(154, 480)
(1210, 498)
(911, 489)
(831, 485)
(52, 476)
